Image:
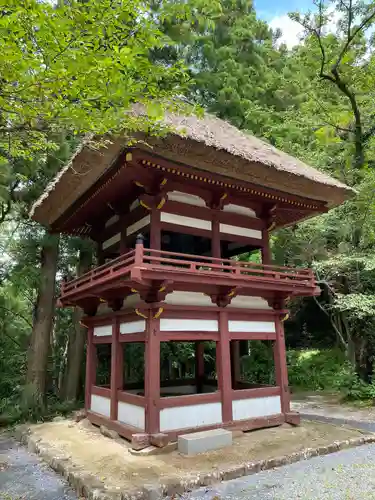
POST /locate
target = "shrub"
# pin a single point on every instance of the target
(316, 369)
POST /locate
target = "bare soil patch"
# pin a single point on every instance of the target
(111, 462)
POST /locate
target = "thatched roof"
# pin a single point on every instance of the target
(207, 143)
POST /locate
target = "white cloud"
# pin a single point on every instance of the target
(291, 30)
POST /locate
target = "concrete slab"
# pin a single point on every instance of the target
(199, 442)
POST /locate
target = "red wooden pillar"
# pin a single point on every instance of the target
(152, 374)
(155, 229)
(91, 363)
(199, 366)
(266, 250)
(223, 368)
(116, 367)
(281, 370)
(235, 361)
(216, 249)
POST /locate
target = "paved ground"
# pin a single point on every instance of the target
(330, 405)
(345, 475)
(24, 477)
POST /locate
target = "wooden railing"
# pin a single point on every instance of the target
(158, 259)
(145, 259)
(106, 272)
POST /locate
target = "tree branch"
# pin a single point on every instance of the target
(11, 338)
(17, 315)
(338, 333)
(351, 36)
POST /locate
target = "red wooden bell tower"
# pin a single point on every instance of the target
(169, 217)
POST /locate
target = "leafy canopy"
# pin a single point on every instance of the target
(79, 66)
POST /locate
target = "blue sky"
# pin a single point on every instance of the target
(268, 9)
(276, 13)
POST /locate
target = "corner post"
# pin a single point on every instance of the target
(224, 369)
(281, 369)
(116, 367)
(152, 373)
(155, 229)
(90, 367)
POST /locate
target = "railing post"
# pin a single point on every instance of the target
(139, 250)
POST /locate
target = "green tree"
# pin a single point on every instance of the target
(345, 62)
(79, 66)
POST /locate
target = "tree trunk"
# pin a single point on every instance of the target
(77, 338)
(39, 348)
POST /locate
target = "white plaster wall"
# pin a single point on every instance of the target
(102, 331)
(134, 204)
(184, 417)
(251, 326)
(103, 309)
(256, 407)
(181, 220)
(189, 325)
(111, 241)
(131, 300)
(188, 299)
(246, 302)
(137, 326)
(145, 221)
(100, 405)
(131, 414)
(189, 199)
(238, 209)
(240, 231)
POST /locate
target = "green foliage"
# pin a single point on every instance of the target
(79, 66)
(316, 369)
(258, 366)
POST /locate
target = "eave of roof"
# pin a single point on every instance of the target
(216, 140)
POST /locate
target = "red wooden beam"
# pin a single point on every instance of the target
(124, 430)
(133, 399)
(105, 339)
(188, 336)
(259, 392)
(105, 392)
(252, 335)
(132, 337)
(188, 400)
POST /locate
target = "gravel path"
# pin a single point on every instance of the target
(345, 475)
(24, 477)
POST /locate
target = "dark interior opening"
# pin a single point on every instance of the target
(185, 243)
(103, 366)
(252, 364)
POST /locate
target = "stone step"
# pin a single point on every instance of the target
(199, 442)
